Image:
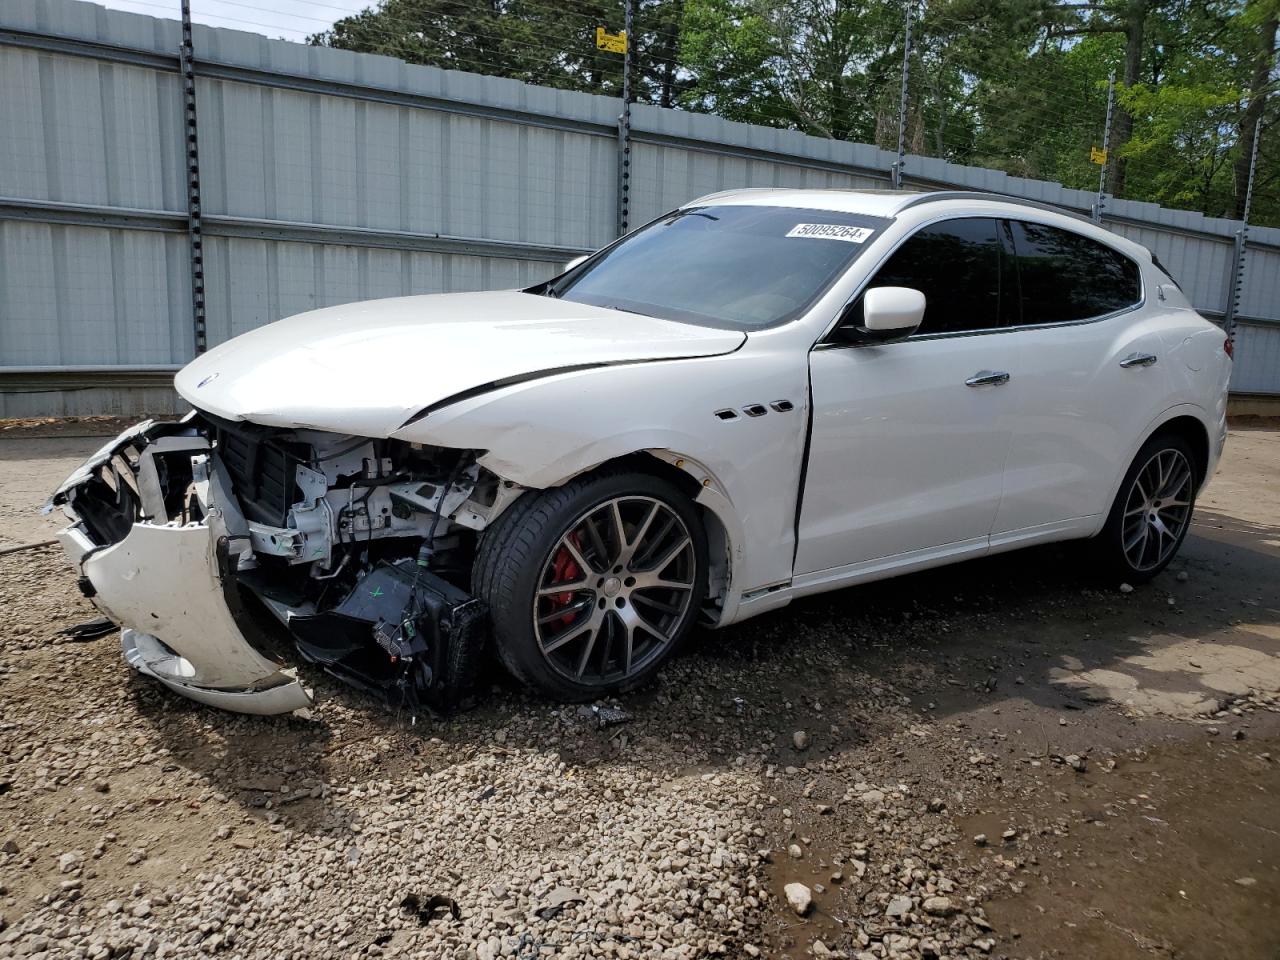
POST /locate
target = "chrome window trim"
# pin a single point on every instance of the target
(823, 343)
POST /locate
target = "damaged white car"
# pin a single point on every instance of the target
(762, 395)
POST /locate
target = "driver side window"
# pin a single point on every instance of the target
(959, 266)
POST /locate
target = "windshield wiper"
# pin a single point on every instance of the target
(687, 213)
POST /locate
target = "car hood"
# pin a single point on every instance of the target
(366, 368)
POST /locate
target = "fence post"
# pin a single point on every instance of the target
(1242, 239)
(186, 60)
(895, 174)
(1101, 202)
(624, 125)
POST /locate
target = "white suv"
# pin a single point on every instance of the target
(762, 395)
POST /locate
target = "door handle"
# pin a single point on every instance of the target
(1138, 360)
(987, 378)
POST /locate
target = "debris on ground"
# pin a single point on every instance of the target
(821, 781)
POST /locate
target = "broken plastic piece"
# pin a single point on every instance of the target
(431, 907)
(89, 630)
(604, 716)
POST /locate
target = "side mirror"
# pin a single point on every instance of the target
(880, 315)
(574, 262)
(896, 310)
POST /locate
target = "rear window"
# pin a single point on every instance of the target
(1066, 277)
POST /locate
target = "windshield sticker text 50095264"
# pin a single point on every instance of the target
(830, 231)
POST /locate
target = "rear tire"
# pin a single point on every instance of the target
(1152, 510)
(629, 555)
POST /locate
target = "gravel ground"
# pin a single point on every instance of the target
(1007, 759)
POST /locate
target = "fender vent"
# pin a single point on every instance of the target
(726, 414)
(783, 406)
(755, 410)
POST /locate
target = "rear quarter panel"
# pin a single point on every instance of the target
(1200, 371)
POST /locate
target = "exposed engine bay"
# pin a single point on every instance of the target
(361, 548)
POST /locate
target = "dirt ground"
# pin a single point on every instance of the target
(1006, 758)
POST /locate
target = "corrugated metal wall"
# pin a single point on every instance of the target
(328, 176)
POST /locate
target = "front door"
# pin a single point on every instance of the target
(909, 439)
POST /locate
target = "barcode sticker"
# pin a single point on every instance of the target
(830, 231)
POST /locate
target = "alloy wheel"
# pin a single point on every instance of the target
(1157, 510)
(615, 590)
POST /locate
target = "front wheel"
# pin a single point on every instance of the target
(1152, 511)
(591, 586)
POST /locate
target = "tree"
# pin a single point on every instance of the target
(728, 47)
(537, 41)
(821, 66)
(1265, 16)
(1016, 85)
(1127, 18)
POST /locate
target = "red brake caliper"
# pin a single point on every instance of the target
(564, 569)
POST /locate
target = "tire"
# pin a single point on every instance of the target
(1131, 545)
(618, 618)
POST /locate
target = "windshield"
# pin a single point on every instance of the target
(741, 267)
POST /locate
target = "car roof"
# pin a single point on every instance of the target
(876, 203)
(891, 203)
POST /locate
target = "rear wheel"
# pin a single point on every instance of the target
(1152, 511)
(592, 586)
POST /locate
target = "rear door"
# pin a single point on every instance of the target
(909, 438)
(1090, 363)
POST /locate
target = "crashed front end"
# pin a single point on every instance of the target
(201, 537)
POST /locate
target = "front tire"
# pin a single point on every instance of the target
(1152, 511)
(592, 586)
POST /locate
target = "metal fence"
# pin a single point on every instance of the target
(151, 202)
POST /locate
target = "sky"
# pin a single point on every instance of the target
(281, 19)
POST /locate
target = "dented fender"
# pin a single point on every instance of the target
(541, 433)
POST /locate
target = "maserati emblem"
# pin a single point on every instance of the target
(209, 379)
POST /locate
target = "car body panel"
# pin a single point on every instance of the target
(1078, 415)
(903, 455)
(540, 434)
(164, 581)
(1200, 370)
(366, 368)
(154, 659)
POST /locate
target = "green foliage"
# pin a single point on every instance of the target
(1183, 142)
(1017, 85)
(728, 47)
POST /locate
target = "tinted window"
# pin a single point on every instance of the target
(1066, 277)
(956, 265)
(729, 265)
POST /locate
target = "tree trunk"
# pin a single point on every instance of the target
(669, 50)
(1135, 23)
(1252, 115)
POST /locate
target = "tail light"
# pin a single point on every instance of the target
(1229, 347)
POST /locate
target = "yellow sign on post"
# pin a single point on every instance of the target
(611, 42)
(1097, 156)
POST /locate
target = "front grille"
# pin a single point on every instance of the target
(262, 470)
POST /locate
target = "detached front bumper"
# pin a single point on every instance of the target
(167, 579)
